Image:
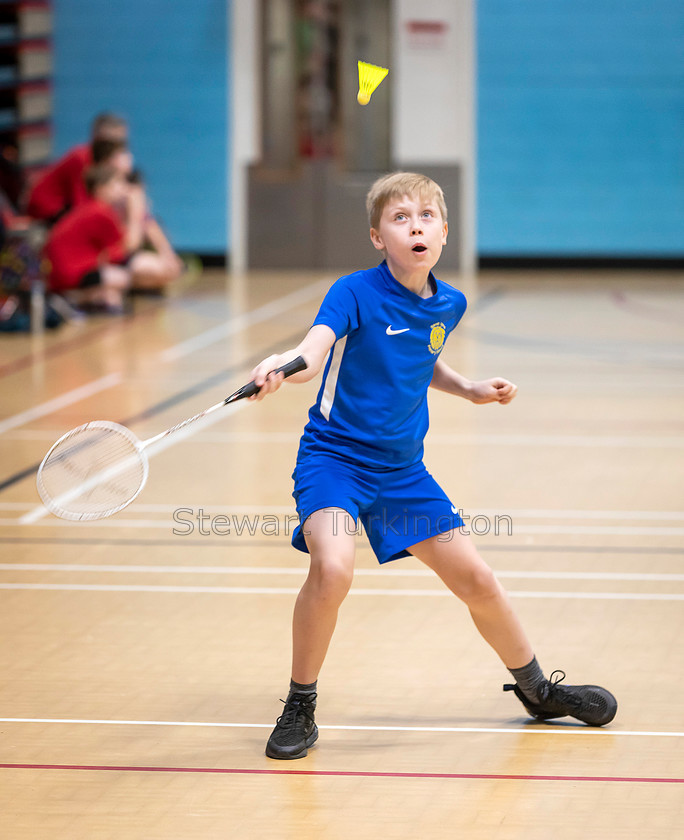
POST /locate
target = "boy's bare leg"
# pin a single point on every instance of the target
(154, 271)
(456, 560)
(329, 535)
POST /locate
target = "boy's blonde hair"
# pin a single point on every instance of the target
(397, 185)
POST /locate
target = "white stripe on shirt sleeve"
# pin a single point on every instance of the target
(331, 380)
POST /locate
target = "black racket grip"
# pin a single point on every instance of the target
(252, 388)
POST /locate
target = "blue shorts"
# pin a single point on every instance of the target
(398, 508)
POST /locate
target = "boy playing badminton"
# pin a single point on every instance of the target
(361, 457)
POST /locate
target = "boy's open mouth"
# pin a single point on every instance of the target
(419, 248)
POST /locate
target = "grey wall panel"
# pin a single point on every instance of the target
(315, 217)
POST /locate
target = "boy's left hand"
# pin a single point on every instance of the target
(493, 390)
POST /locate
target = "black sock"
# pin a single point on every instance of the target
(300, 688)
(529, 679)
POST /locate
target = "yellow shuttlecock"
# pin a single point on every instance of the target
(370, 77)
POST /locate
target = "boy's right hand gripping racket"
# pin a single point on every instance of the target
(97, 469)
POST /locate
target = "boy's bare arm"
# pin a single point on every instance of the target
(135, 217)
(158, 240)
(157, 237)
(498, 390)
(314, 348)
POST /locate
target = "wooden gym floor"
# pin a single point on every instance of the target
(140, 670)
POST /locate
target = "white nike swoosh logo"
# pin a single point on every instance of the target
(390, 331)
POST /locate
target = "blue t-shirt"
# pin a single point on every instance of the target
(372, 404)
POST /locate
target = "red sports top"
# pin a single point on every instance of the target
(62, 186)
(81, 241)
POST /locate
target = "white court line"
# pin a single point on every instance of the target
(514, 513)
(241, 322)
(613, 530)
(275, 571)
(600, 441)
(62, 401)
(33, 517)
(546, 513)
(277, 590)
(143, 507)
(36, 514)
(585, 731)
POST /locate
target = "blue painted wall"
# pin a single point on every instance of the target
(580, 117)
(581, 127)
(162, 64)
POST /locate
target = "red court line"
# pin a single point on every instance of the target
(366, 774)
(645, 310)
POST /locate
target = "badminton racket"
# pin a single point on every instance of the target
(97, 469)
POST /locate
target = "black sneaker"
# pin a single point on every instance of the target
(295, 730)
(589, 703)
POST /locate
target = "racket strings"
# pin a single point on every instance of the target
(92, 472)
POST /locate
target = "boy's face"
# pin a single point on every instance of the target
(122, 161)
(114, 191)
(412, 233)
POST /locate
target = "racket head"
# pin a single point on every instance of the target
(92, 472)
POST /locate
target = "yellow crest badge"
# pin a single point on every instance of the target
(437, 336)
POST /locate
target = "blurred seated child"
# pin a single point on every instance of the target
(157, 264)
(113, 152)
(61, 186)
(94, 254)
(87, 247)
